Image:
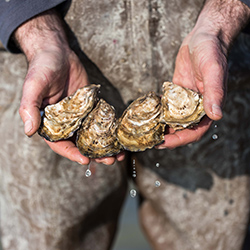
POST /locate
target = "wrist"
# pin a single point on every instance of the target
(223, 19)
(41, 33)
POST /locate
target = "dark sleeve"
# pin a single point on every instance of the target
(247, 2)
(15, 12)
(247, 28)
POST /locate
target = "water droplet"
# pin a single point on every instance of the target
(134, 170)
(157, 183)
(215, 136)
(132, 193)
(88, 173)
(157, 164)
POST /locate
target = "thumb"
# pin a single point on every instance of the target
(30, 105)
(214, 91)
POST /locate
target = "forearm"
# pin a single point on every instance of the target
(43, 32)
(223, 18)
(15, 12)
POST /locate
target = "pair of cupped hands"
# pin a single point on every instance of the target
(54, 71)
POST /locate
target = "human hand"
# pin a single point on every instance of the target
(201, 63)
(54, 71)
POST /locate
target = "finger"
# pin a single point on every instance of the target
(214, 91)
(213, 71)
(29, 109)
(111, 160)
(186, 136)
(69, 150)
(106, 160)
(120, 156)
(34, 88)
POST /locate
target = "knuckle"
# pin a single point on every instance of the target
(21, 110)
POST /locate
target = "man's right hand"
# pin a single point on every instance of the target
(54, 72)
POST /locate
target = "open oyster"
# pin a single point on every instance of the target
(96, 137)
(182, 107)
(62, 119)
(139, 127)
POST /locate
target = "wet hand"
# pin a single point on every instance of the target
(54, 72)
(201, 65)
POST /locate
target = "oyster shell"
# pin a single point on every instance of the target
(96, 138)
(139, 127)
(182, 107)
(62, 119)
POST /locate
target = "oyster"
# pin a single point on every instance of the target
(96, 137)
(182, 107)
(139, 127)
(62, 119)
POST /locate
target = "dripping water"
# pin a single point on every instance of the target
(132, 193)
(134, 170)
(215, 136)
(157, 183)
(88, 171)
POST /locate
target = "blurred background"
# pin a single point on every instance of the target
(130, 236)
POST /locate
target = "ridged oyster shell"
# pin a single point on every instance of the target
(139, 127)
(96, 138)
(181, 107)
(62, 119)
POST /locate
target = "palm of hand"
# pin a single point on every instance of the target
(51, 76)
(201, 66)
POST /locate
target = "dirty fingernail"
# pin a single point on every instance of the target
(28, 126)
(216, 110)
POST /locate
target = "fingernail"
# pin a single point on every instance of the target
(216, 110)
(82, 161)
(28, 126)
(120, 157)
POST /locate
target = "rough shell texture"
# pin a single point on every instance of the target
(182, 107)
(139, 128)
(96, 137)
(62, 119)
